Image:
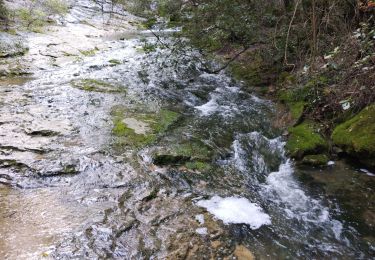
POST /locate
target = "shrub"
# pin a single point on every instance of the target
(39, 12)
(3, 12)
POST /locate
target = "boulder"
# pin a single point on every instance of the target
(304, 140)
(356, 137)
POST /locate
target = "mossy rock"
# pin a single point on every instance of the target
(96, 85)
(13, 68)
(305, 140)
(137, 129)
(169, 159)
(198, 166)
(357, 136)
(315, 160)
(299, 97)
(296, 100)
(114, 62)
(296, 109)
(90, 52)
(297, 94)
(194, 154)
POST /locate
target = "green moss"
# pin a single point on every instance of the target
(286, 77)
(297, 94)
(157, 123)
(194, 154)
(165, 119)
(90, 52)
(248, 71)
(294, 100)
(149, 23)
(316, 160)
(357, 135)
(196, 150)
(296, 109)
(305, 140)
(97, 86)
(114, 62)
(198, 166)
(128, 137)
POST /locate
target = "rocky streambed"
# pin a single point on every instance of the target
(108, 150)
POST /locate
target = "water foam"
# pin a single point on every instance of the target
(234, 210)
(280, 187)
(209, 108)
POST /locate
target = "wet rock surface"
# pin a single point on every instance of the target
(11, 45)
(106, 151)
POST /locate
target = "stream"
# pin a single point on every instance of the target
(108, 151)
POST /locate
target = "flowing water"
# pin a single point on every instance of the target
(72, 188)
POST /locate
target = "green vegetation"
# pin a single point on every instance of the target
(97, 86)
(137, 7)
(198, 166)
(296, 109)
(357, 135)
(195, 150)
(3, 13)
(250, 71)
(137, 129)
(114, 62)
(315, 160)
(90, 52)
(37, 13)
(149, 23)
(304, 140)
(128, 137)
(193, 154)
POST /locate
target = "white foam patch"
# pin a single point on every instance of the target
(200, 218)
(282, 182)
(367, 172)
(209, 108)
(202, 231)
(233, 210)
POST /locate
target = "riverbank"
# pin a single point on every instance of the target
(327, 111)
(323, 76)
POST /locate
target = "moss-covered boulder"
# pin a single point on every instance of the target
(136, 128)
(193, 150)
(315, 160)
(357, 136)
(198, 166)
(97, 85)
(13, 67)
(301, 95)
(295, 99)
(193, 154)
(304, 140)
(114, 62)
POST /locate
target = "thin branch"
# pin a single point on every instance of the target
(230, 61)
(288, 35)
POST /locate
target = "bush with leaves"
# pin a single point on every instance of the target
(3, 12)
(37, 13)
